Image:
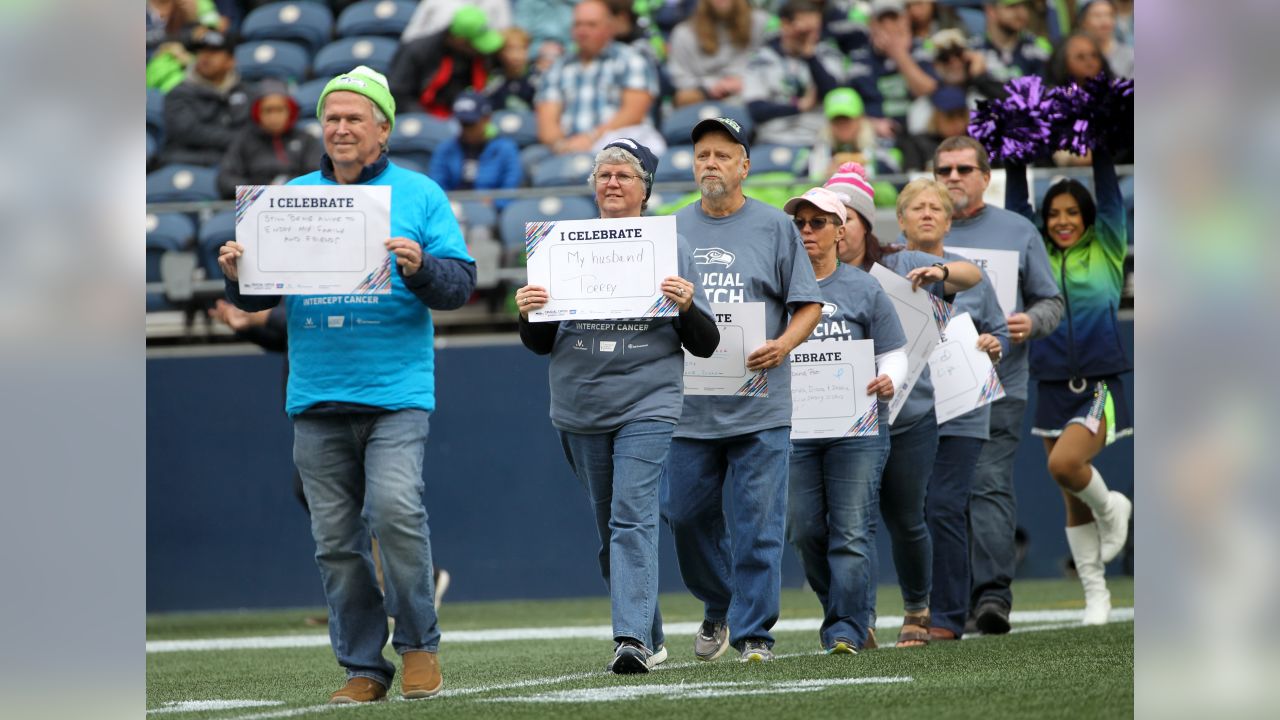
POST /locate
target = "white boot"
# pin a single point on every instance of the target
(1085, 550)
(1112, 511)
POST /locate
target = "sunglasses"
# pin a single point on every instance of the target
(817, 223)
(945, 170)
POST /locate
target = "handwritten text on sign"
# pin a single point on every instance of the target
(320, 241)
(829, 389)
(602, 270)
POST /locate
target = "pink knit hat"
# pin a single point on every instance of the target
(851, 184)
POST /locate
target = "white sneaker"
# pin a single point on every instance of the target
(1113, 525)
(1084, 543)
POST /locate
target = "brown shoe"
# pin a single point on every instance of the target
(943, 634)
(421, 677)
(871, 640)
(359, 690)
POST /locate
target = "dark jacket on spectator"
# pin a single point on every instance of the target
(202, 119)
(258, 158)
(426, 75)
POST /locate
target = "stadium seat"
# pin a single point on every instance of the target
(530, 157)
(474, 212)
(519, 126)
(417, 134)
(155, 113)
(676, 165)
(410, 162)
(342, 55)
(308, 123)
(180, 182)
(309, 24)
(166, 232)
(214, 233)
(375, 17)
(680, 122)
(972, 20)
(272, 59)
(777, 158)
(560, 170)
(307, 95)
(153, 147)
(545, 208)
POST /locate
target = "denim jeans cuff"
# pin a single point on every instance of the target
(383, 680)
(430, 649)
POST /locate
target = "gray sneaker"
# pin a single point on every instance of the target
(630, 657)
(756, 651)
(711, 640)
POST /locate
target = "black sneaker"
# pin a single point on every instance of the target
(629, 658)
(992, 617)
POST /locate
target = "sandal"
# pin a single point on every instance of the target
(915, 630)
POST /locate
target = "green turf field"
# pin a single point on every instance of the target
(1049, 667)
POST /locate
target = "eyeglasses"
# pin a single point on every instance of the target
(817, 223)
(945, 170)
(623, 179)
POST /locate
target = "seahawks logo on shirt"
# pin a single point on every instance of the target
(713, 256)
(829, 309)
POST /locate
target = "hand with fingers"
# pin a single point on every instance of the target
(679, 291)
(229, 258)
(881, 387)
(530, 298)
(408, 254)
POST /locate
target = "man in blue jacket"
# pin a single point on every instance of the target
(478, 159)
(360, 393)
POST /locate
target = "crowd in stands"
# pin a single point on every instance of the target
(492, 94)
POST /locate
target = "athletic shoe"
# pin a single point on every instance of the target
(1113, 525)
(442, 585)
(659, 656)
(711, 640)
(629, 658)
(842, 646)
(359, 690)
(756, 651)
(992, 617)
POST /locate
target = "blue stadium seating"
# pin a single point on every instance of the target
(214, 233)
(342, 55)
(517, 125)
(272, 59)
(180, 182)
(307, 23)
(308, 94)
(153, 147)
(375, 17)
(569, 169)
(308, 123)
(408, 162)
(417, 134)
(525, 210)
(777, 158)
(155, 113)
(165, 232)
(676, 165)
(677, 126)
(474, 213)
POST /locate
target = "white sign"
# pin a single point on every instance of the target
(922, 315)
(725, 372)
(1001, 267)
(604, 269)
(963, 377)
(314, 239)
(829, 389)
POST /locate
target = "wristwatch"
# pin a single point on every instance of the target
(946, 273)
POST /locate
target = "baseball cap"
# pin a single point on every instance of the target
(723, 124)
(843, 102)
(471, 107)
(821, 198)
(202, 38)
(471, 24)
(948, 98)
(880, 7)
(648, 161)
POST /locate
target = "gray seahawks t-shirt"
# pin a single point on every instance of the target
(753, 255)
(607, 373)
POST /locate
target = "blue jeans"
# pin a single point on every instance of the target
(993, 509)
(621, 470)
(834, 484)
(725, 500)
(363, 473)
(902, 492)
(947, 511)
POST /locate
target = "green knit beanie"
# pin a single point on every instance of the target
(367, 82)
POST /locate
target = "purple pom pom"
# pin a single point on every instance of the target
(1098, 113)
(1019, 127)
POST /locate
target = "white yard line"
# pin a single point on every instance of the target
(581, 632)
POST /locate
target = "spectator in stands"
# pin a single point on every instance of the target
(513, 87)
(787, 78)
(360, 401)
(709, 51)
(961, 164)
(1097, 19)
(638, 33)
(603, 91)
(1010, 48)
(747, 251)
(846, 137)
(949, 117)
(270, 150)
(616, 441)
(167, 20)
(433, 70)
(956, 64)
(204, 113)
(890, 67)
(478, 159)
(549, 24)
(434, 16)
(922, 17)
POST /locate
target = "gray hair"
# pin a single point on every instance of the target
(617, 156)
(378, 116)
